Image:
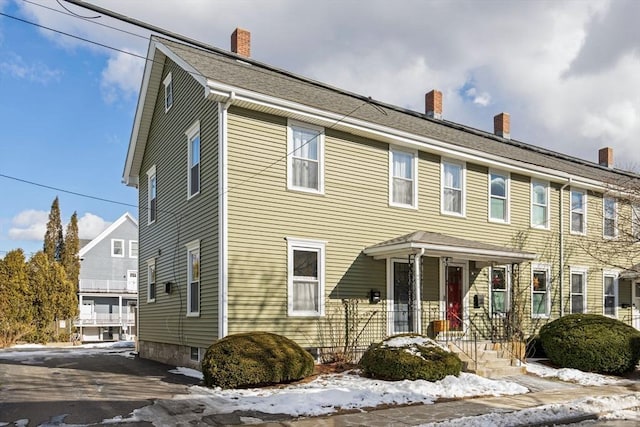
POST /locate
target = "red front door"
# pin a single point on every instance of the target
(454, 297)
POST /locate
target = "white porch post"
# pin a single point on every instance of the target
(417, 262)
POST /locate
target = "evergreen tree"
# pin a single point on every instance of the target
(15, 298)
(44, 296)
(70, 259)
(53, 238)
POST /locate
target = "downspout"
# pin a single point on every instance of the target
(561, 276)
(417, 274)
(223, 261)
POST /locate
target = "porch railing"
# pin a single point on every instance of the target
(105, 319)
(110, 286)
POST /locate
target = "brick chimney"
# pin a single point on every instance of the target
(433, 104)
(241, 42)
(605, 157)
(502, 125)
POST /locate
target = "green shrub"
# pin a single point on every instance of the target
(534, 348)
(255, 359)
(409, 357)
(591, 343)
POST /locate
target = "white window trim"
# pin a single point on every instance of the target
(318, 245)
(507, 198)
(584, 211)
(635, 221)
(547, 269)
(584, 272)
(615, 217)
(151, 174)
(414, 164)
(168, 85)
(615, 274)
(193, 246)
(131, 242)
(294, 123)
(191, 133)
(507, 290)
(463, 185)
(547, 225)
(152, 263)
(113, 245)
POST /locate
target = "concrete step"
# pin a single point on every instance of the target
(504, 371)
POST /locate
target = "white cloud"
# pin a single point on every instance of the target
(29, 225)
(122, 76)
(36, 72)
(90, 225)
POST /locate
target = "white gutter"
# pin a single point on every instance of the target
(223, 215)
(391, 135)
(561, 276)
(451, 251)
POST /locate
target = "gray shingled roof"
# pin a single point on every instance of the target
(230, 69)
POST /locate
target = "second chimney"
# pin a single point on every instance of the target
(502, 125)
(241, 42)
(433, 104)
(605, 157)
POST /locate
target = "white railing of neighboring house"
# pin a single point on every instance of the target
(106, 319)
(101, 285)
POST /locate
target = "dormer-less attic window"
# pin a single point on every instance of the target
(168, 92)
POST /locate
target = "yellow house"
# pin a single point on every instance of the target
(273, 202)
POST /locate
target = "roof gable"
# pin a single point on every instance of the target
(117, 223)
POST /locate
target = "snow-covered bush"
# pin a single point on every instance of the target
(591, 343)
(255, 359)
(409, 357)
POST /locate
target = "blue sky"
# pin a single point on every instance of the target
(565, 71)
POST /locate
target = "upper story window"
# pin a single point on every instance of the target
(193, 160)
(498, 197)
(168, 92)
(499, 290)
(578, 212)
(133, 249)
(540, 291)
(610, 217)
(151, 280)
(152, 194)
(453, 183)
(610, 293)
(193, 278)
(403, 178)
(117, 248)
(578, 290)
(635, 221)
(539, 205)
(305, 277)
(305, 157)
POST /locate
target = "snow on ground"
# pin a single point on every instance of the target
(188, 372)
(572, 375)
(549, 413)
(36, 354)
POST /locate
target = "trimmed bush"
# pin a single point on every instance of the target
(255, 359)
(591, 343)
(409, 357)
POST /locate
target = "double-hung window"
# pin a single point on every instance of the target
(152, 195)
(117, 248)
(305, 277)
(133, 249)
(610, 217)
(193, 278)
(498, 197)
(193, 160)
(578, 290)
(151, 280)
(578, 212)
(403, 178)
(499, 290)
(539, 205)
(168, 92)
(305, 167)
(452, 181)
(540, 291)
(610, 283)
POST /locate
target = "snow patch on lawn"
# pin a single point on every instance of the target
(572, 375)
(410, 342)
(188, 372)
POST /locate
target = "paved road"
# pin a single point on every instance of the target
(61, 387)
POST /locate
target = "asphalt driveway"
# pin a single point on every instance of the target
(72, 386)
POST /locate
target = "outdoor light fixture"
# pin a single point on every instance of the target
(374, 296)
(167, 288)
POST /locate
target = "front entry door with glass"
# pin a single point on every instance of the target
(403, 316)
(454, 295)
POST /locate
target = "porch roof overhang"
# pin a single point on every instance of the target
(441, 245)
(631, 273)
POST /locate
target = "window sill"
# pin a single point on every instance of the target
(542, 228)
(194, 195)
(453, 214)
(305, 314)
(540, 316)
(401, 206)
(193, 314)
(306, 191)
(149, 301)
(498, 221)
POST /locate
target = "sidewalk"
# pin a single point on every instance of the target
(421, 414)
